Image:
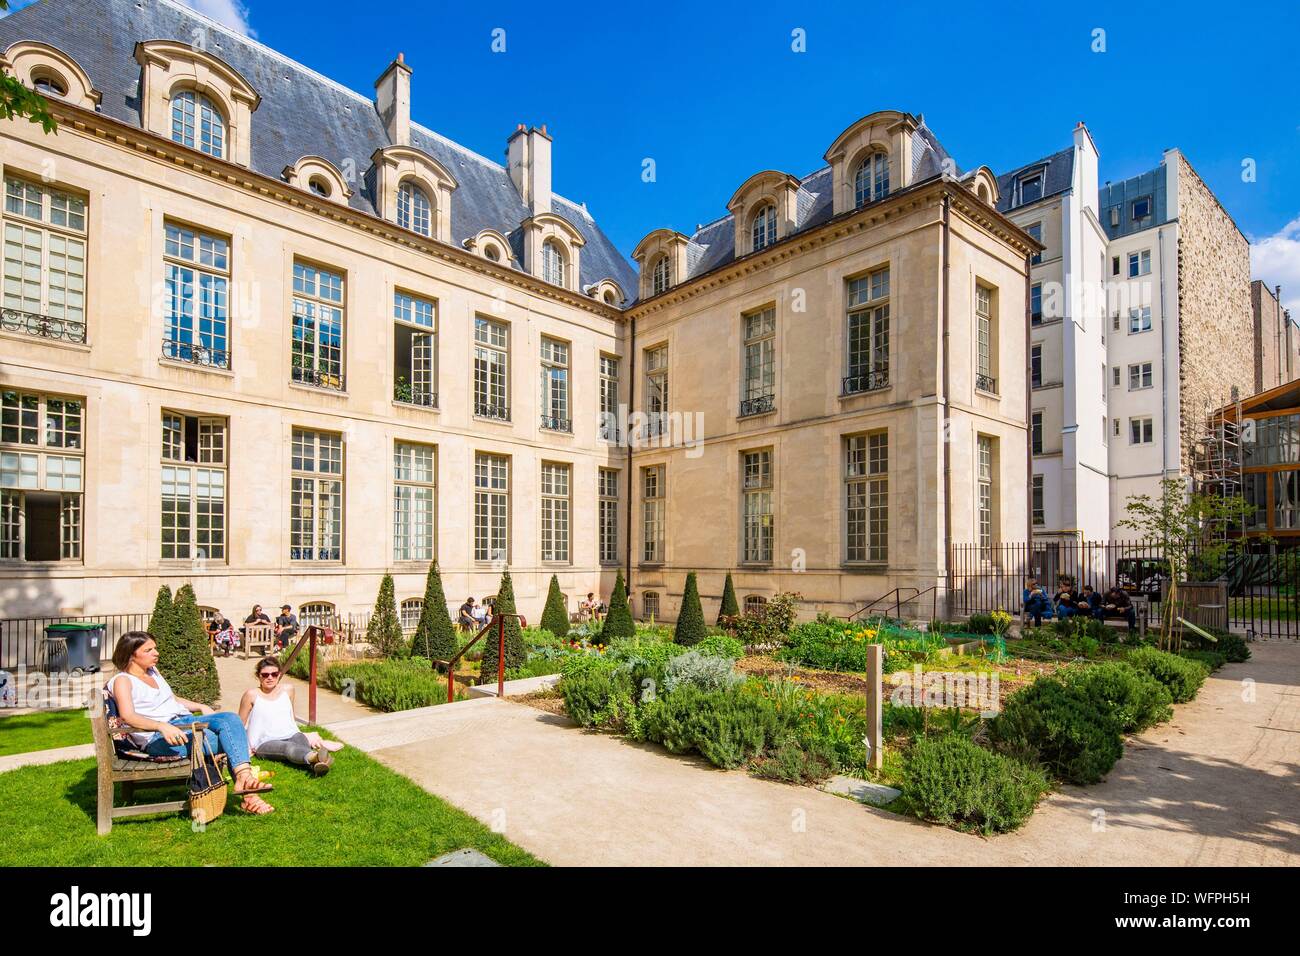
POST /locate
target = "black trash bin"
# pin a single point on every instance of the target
(85, 642)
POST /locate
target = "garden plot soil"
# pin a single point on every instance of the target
(549, 701)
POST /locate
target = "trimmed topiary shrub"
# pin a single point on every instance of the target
(184, 653)
(1183, 677)
(435, 634)
(384, 630)
(956, 782)
(516, 654)
(1136, 699)
(690, 628)
(160, 621)
(555, 617)
(1058, 726)
(618, 622)
(730, 607)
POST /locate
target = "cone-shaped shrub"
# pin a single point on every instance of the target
(435, 635)
(184, 655)
(556, 616)
(160, 621)
(690, 620)
(729, 606)
(618, 622)
(515, 653)
(384, 631)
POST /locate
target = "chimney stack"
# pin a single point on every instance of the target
(528, 156)
(393, 100)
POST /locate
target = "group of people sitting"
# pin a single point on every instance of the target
(265, 724)
(1069, 602)
(226, 638)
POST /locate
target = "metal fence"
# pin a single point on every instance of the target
(21, 637)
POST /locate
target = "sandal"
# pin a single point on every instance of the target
(321, 764)
(259, 788)
(256, 806)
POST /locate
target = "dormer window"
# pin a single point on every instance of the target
(1031, 188)
(553, 263)
(319, 187)
(660, 278)
(492, 252)
(48, 84)
(609, 297)
(763, 231)
(414, 209)
(198, 124)
(1141, 208)
(871, 180)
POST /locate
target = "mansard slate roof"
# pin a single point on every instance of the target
(1058, 175)
(301, 114)
(714, 245)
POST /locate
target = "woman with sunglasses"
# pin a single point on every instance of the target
(267, 712)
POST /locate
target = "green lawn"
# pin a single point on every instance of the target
(1264, 609)
(360, 814)
(43, 731)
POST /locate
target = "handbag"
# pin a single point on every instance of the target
(207, 787)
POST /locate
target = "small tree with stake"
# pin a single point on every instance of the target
(515, 653)
(555, 617)
(384, 630)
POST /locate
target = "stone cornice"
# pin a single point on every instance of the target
(132, 138)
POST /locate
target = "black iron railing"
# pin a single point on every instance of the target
(423, 399)
(201, 355)
(42, 326)
(317, 378)
(871, 381)
(497, 410)
(757, 406)
(21, 637)
(986, 383)
(553, 423)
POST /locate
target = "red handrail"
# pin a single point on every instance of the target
(308, 637)
(500, 621)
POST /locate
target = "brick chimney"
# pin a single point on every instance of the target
(528, 156)
(393, 100)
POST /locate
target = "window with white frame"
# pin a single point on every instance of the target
(316, 496)
(194, 483)
(555, 511)
(868, 333)
(44, 261)
(608, 430)
(762, 232)
(660, 276)
(414, 211)
(656, 385)
(1030, 188)
(756, 495)
(196, 273)
(653, 514)
(412, 608)
(555, 386)
(758, 388)
(554, 265)
(491, 355)
(1139, 376)
(42, 476)
(985, 489)
(754, 604)
(1039, 517)
(607, 518)
(198, 124)
(1035, 230)
(1036, 303)
(1035, 366)
(1036, 432)
(415, 352)
(317, 357)
(1140, 431)
(650, 604)
(1141, 208)
(871, 179)
(414, 501)
(1139, 263)
(866, 482)
(984, 329)
(1114, 376)
(491, 507)
(1139, 320)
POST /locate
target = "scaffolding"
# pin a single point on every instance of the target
(1217, 461)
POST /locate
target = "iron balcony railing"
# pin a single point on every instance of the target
(554, 423)
(871, 381)
(422, 399)
(317, 378)
(42, 326)
(757, 406)
(986, 383)
(608, 431)
(497, 410)
(201, 355)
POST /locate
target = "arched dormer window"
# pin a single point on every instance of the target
(47, 84)
(50, 72)
(662, 275)
(553, 264)
(414, 210)
(871, 179)
(198, 124)
(762, 232)
(609, 297)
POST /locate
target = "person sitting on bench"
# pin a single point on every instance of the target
(465, 616)
(1067, 598)
(1117, 604)
(1035, 602)
(1090, 601)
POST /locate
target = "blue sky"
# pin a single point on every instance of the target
(713, 93)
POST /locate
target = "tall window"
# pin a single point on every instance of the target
(1036, 433)
(866, 495)
(411, 610)
(756, 491)
(316, 497)
(491, 351)
(553, 263)
(660, 278)
(758, 390)
(1139, 263)
(1139, 320)
(656, 384)
(317, 326)
(42, 469)
(555, 511)
(1140, 431)
(555, 386)
(1031, 188)
(413, 501)
(1036, 303)
(1286, 499)
(650, 605)
(1036, 365)
(198, 124)
(985, 493)
(196, 268)
(984, 339)
(871, 179)
(1139, 376)
(413, 209)
(45, 261)
(608, 517)
(653, 514)
(1035, 230)
(414, 350)
(868, 332)
(608, 398)
(762, 232)
(1037, 501)
(491, 506)
(193, 487)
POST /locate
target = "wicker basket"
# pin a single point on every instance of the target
(207, 787)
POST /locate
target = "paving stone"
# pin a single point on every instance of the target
(464, 857)
(877, 794)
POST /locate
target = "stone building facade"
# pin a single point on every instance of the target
(1277, 338)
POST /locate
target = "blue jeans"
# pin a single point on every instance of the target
(225, 734)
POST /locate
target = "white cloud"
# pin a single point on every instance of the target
(1276, 260)
(229, 13)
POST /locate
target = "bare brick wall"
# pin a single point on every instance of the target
(1216, 335)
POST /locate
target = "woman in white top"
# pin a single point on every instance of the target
(145, 700)
(267, 712)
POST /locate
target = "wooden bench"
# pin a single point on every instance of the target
(259, 635)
